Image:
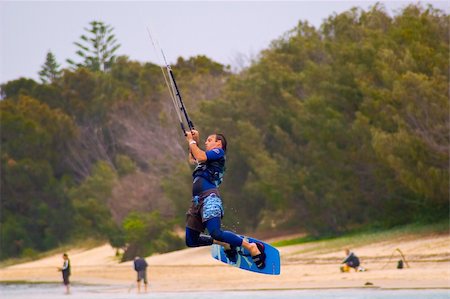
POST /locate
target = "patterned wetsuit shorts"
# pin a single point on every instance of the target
(205, 206)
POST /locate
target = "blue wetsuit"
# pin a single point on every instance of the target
(206, 210)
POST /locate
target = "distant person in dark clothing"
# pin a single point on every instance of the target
(65, 269)
(140, 265)
(351, 261)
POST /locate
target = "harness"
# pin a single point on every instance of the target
(213, 171)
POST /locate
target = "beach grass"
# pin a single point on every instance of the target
(365, 237)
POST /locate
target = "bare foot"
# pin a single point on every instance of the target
(254, 250)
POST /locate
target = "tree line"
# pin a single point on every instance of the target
(330, 129)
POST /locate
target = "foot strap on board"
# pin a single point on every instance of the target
(260, 259)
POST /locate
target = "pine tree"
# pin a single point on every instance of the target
(50, 69)
(97, 51)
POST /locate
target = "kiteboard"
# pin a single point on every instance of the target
(244, 260)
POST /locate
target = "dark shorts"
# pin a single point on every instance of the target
(142, 275)
(206, 206)
(66, 278)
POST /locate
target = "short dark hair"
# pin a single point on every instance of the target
(222, 138)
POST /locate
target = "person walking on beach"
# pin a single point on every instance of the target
(206, 210)
(65, 269)
(351, 261)
(140, 266)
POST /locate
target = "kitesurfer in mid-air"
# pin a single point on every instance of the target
(206, 210)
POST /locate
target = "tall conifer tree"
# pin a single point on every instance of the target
(50, 69)
(97, 48)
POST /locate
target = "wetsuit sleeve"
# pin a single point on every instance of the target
(214, 154)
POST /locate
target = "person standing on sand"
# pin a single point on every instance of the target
(65, 269)
(206, 210)
(140, 266)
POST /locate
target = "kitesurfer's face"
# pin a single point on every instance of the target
(212, 142)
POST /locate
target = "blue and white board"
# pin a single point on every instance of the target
(244, 260)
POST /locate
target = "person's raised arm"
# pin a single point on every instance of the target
(198, 154)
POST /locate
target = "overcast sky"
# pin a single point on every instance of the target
(223, 31)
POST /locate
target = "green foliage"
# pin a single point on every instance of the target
(148, 233)
(299, 240)
(90, 200)
(35, 213)
(13, 89)
(97, 48)
(50, 70)
(199, 65)
(44, 132)
(417, 151)
(34, 138)
(180, 191)
(124, 165)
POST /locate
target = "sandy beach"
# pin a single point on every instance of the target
(307, 266)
